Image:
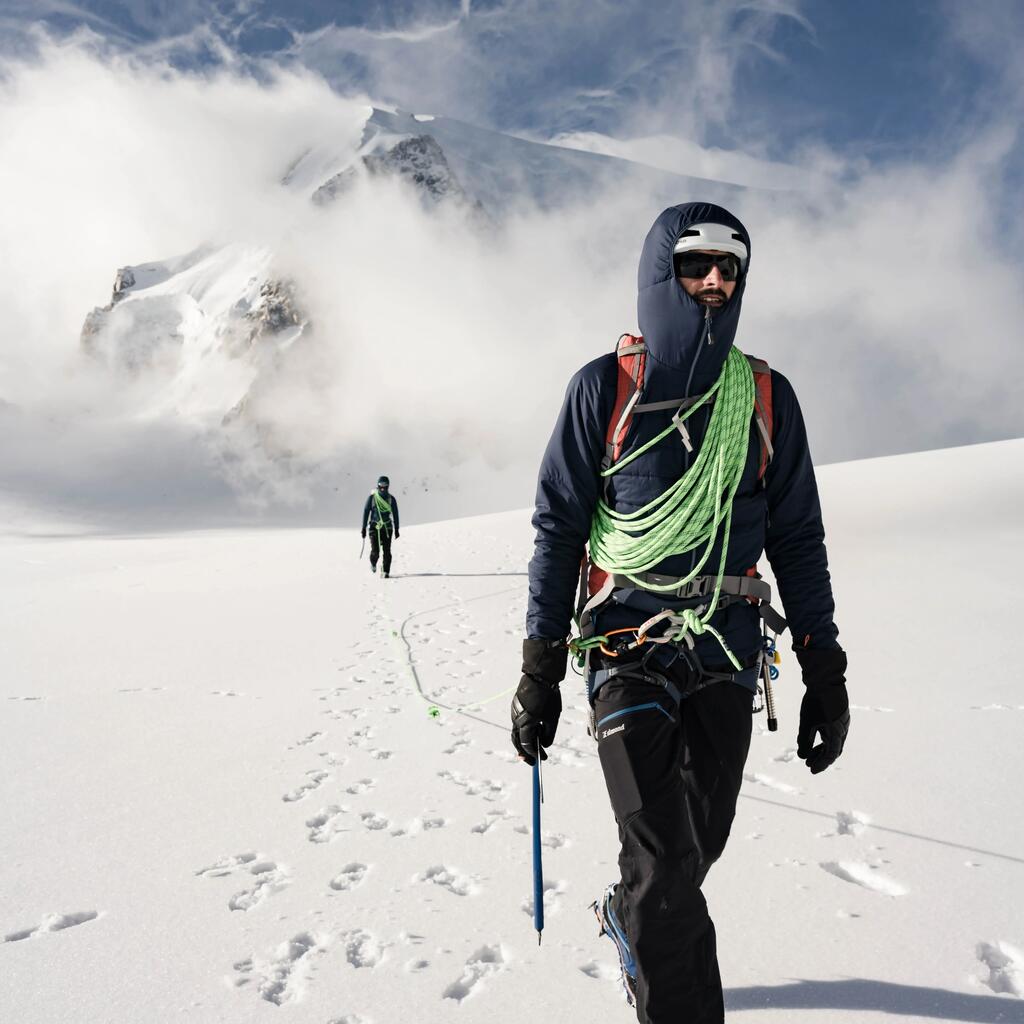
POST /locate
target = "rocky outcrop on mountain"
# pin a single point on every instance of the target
(96, 319)
(276, 311)
(418, 160)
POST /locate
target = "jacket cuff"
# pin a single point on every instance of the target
(822, 666)
(545, 659)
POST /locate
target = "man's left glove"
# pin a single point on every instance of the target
(825, 709)
(538, 702)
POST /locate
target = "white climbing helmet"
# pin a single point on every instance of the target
(716, 237)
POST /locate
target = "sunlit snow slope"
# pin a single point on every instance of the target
(225, 800)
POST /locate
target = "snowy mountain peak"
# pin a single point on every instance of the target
(416, 159)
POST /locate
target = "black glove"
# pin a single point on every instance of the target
(538, 701)
(396, 535)
(364, 534)
(825, 709)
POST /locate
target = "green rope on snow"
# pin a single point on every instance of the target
(690, 514)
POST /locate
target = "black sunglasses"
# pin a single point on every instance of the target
(699, 264)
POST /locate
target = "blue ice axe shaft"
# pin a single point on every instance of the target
(538, 867)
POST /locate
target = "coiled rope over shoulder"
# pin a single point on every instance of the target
(690, 514)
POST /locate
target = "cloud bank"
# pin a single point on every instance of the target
(438, 352)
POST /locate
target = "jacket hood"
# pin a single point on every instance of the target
(671, 322)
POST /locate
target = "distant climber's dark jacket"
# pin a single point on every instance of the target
(372, 516)
(782, 517)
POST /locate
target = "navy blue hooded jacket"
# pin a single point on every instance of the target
(780, 515)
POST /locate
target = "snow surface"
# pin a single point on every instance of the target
(225, 799)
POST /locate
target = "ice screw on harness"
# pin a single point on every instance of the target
(694, 511)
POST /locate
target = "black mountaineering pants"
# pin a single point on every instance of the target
(673, 775)
(380, 540)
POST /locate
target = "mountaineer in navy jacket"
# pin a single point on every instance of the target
(673, 730)
(380, 514)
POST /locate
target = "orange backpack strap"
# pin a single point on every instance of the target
(763, 412)
(632, 355)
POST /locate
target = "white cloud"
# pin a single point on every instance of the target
(440, 353)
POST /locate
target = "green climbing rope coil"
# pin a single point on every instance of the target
(383, 507)
(692, 513)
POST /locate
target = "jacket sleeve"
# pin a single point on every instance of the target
(795, 538)
(394, 512)
(366, 511)
(568, 487)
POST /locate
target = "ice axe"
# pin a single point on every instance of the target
(538, 867)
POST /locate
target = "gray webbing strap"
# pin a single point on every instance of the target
(675, 403)
(772, 619)
(699, 586)
(763, 429)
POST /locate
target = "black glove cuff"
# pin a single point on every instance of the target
(822, 666)
(545, 660)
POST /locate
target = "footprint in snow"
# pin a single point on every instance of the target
(282, 978)
(54, 923)
(333, 759)
(374, 822)
(362, 949)
(360, 786)
(492, 819)
(600, 970)
(789, 754)
(866, 875)
(306, 740)
(314, 779)
(850, 823)
(769, 783)
(447, 878)
(552, 840)
(267, 878)
(350, 876)
(324, 826)
(350, 1018)
(553, 892)
(485, 962)
(1005, 965)
(489, 789)
(361, 736)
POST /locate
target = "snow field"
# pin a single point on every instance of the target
(228, 799)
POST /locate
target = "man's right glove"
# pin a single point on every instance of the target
(364, 534)
(538, 701)
(825, 709)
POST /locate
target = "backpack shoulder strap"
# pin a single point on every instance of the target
(632, 356)
(763, 411)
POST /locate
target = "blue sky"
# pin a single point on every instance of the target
(875, 79)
